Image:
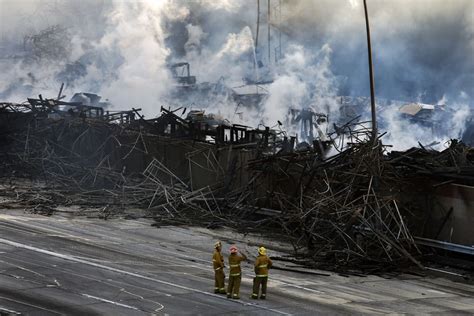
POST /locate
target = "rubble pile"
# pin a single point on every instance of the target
(347, 210)
(93, 163)
(72, 159)
(452, 164)
(355, 209)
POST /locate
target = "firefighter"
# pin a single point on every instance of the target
(262, 264)
(235, 274)
(218, 264)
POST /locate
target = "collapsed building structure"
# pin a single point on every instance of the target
(351, 207)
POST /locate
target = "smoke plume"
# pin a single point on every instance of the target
(122, 49)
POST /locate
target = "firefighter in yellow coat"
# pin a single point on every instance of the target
(235, 274)
(262, 264)
(218, 264)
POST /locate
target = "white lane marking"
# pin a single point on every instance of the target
(302, 288)
(28, 304)
(142, 298)
(36, 230)
(64, 235)
(112, 283)
(170, 263)
(57, 284)
(125, 291)
(436, 292)
(180, 256)
(23, 268)
(184, 257)
(110, 302)
(72, 258)
(9, 311)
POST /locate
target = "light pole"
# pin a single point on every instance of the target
(371, 76)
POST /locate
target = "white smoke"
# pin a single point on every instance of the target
(422, 51)
(193, 44)
(143, 76)
(230, 61)
(304, 80)
(124, 61)
(447, 122)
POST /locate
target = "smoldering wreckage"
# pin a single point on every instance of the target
(357, 208)
(343, 199)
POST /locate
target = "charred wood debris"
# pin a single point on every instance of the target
(354, 210)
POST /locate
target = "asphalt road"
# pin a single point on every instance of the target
(80, 266)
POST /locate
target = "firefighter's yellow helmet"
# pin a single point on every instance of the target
(262, 251)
